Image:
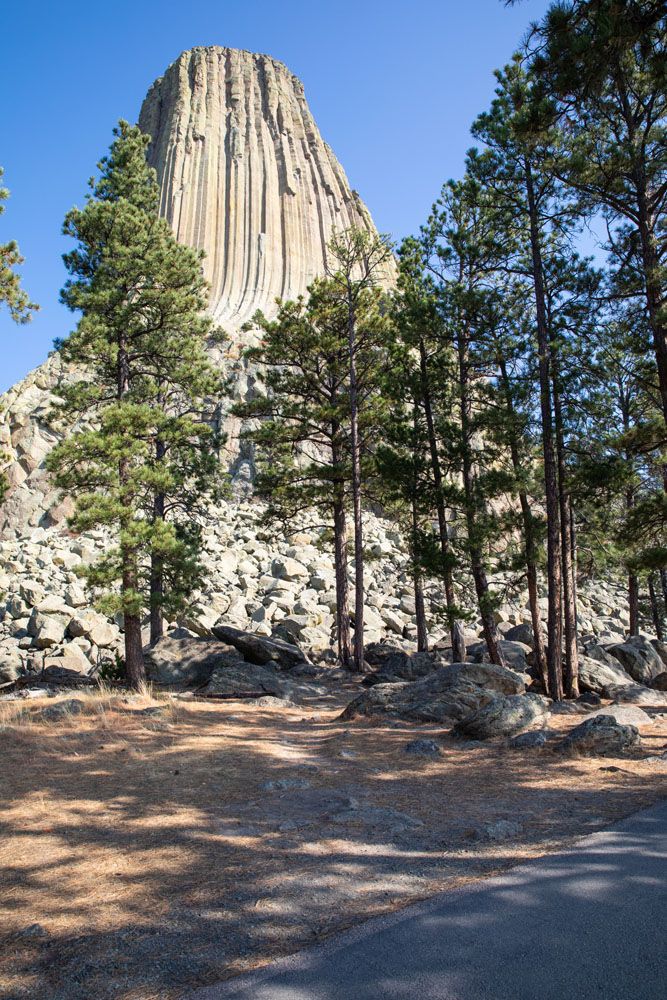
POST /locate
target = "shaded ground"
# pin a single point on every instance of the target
(154, 857)
(580, 923)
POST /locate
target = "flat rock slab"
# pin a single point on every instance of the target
(512, 937)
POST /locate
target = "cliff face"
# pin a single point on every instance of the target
(244, 174)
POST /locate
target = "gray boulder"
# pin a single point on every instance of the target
(521, 633)
(187, 662)
(597, 673)
(504, 716)
(62, 710)
(639, 658)
(423, 748)
(636, 694)
(246, 678)
(530, 740)
(10, 663)
(659, 683)
(377, 653)
(600, 736)
(514, 654)
(259, 649)
(626, 715)
(402, 666)
(661, 650)
(448, 694)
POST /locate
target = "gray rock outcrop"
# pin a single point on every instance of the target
(639, 658)
(600, 736)
(245, 175)
(446, 695)
(504, 716)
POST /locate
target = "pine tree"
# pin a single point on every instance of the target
(356, 263)
(513, 406)
(517, 170)
(419, 327)
(299, 427)
(459, 241)
(403, 461)
(604, 64)
(303, 438)
(11, 294)
(141, 448)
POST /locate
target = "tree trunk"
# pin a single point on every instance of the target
(356, 494)
(655, 296)
(418, 583)
(633, 603)
(530, 540)
(554, 581)
(456, 630)
(655, 608)
(420, 612)
(477, 566)
(157, 565)
(564, 501)
(340, 563)
(134, 658)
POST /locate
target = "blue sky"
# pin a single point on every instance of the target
(393, 86)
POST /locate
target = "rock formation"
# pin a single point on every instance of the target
(244, 174)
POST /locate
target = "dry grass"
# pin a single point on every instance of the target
(140, 838)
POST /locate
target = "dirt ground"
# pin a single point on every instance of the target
(149, 847)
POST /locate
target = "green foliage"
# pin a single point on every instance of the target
(11, 294)
(142, 460)
(302, 434)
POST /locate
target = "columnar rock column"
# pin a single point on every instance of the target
(244, 174)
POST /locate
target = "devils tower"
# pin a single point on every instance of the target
(245, 175)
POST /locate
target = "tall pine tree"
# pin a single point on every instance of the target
(141, 443)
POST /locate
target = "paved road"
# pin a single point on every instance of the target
(586, 923)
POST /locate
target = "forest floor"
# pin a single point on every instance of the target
(151, 846)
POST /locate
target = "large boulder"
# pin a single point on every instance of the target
(505, 716)
(514, 654)
(289, 569)
(376, 654)
(639, 658)
(635, 694)
(597, 673)
(521, 633)
(403, 666)
(600, 736)
(94, 627)
(446, 695)
(661, 649)
(246, 678)
(10, 663)
(47, 630)
(260, 649)
(659, 683)
(626, 715)
(187, 662)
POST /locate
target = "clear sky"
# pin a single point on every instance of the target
(393, 84)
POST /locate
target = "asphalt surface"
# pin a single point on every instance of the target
(588, 923)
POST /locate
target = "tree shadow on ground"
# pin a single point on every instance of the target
(159, 856)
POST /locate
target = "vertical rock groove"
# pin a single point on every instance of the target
(246, 176)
